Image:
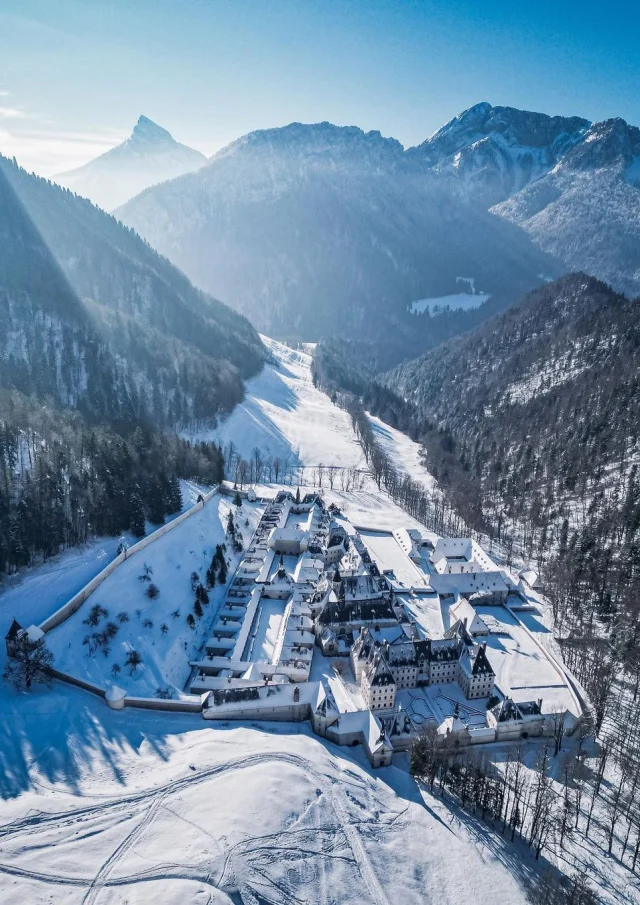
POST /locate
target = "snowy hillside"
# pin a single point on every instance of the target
(586, 211)
(156, 628)
(150, 155)
(144, 808)
(286, 417)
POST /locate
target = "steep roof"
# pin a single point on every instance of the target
(363, 645)
(463, 611)
(475, 662)
(14, 629)
(378, 670)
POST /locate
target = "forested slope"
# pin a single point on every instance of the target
(105, 349)
(185, 353)
(537, 415)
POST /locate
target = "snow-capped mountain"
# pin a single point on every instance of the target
(493, 152)
(586, 211)
(316, 229)
(150, 155)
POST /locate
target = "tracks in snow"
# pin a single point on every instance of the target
(153, 800)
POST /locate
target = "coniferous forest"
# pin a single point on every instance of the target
(106, 351)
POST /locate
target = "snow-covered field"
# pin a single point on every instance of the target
(463, 301)
(138, 808)
(156, 628)
(284, 415)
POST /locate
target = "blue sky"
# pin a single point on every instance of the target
(76, 74)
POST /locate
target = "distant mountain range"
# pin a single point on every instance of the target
(150, 155)
(494, 152)
(586, 210)
(312, 230)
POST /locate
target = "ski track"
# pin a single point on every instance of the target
(154, 799)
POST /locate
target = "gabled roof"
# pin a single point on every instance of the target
(464, 612)
(34, 633)
(377, 738)
(481, 663)
(253, 674)
(324, 704)
(14, 629)
(475, 662)
(378, 670)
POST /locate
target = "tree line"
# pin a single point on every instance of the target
(63, 481)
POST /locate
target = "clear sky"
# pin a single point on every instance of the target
(76, 74)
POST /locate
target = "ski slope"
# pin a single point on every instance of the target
(405, 453)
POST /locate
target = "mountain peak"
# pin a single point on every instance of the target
(146, 130)
(494, 152)
(514, 126)
(148, 156)
(317, 141)
(612, 142)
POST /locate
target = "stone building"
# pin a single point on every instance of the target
(377, 684)
(475, 674)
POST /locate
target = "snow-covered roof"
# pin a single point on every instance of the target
(452, 724)
(474, 661)
(115, 694)
(253, 674)
(378, 670)
(464, 612)
(530, 576)
(14, 629)
(460, 554)
(34, 633)
(365, 722)
(467, 583)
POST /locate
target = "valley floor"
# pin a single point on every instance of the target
(107, 807)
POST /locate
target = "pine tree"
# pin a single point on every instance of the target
(29, 663)
(136, 514)
(133, 661)
(174, 499)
